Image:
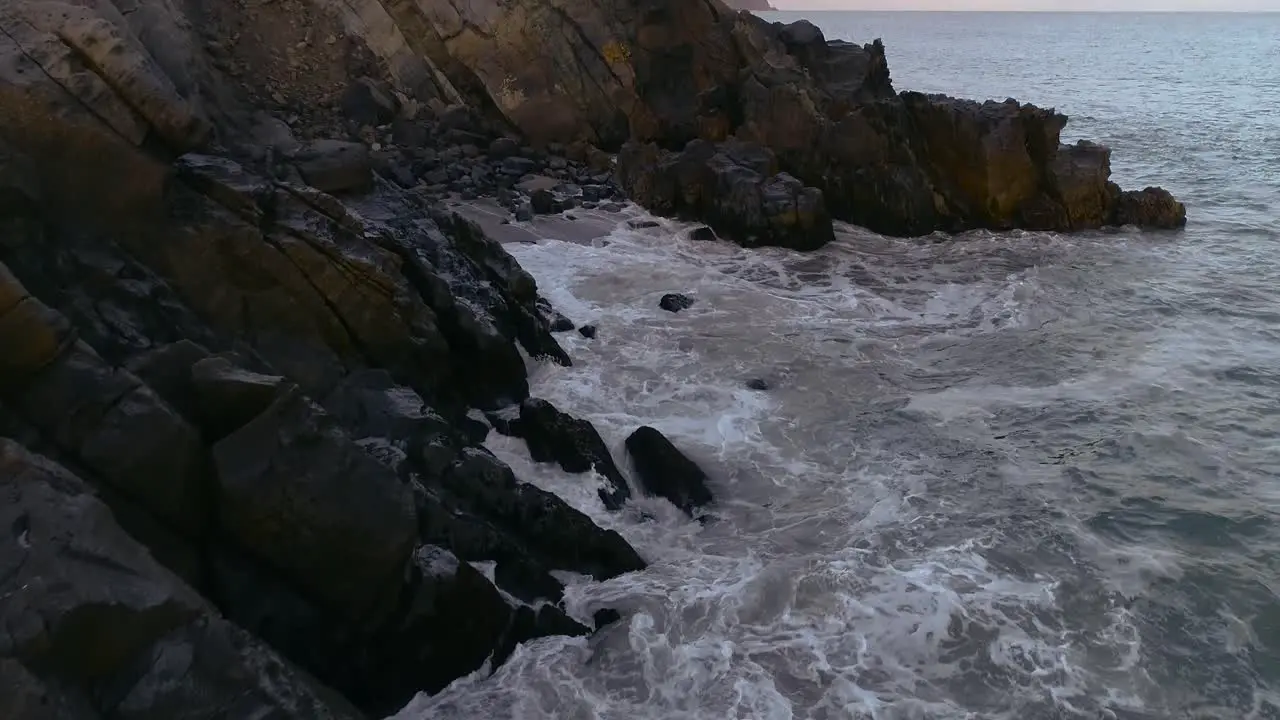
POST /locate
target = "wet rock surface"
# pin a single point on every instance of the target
(572, 443)
(666, 472)
(675, 302)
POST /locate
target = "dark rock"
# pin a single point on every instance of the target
(71, 579)
(524, 212)
(666, 472)
(518, 165)
(477, 505)
(605, 617)
(506, 421)
(588, 331)
(556, 322)
(227, 397)
(395, 167)
(702, 233)
(529, 623)
(758, 384)
(642, 224)
(543, 203)
(296, 492)
(453, 619)
(734, 187)
(335, 166)
(369, 102)
(527, 581)
(383, 417)
(412, 134)
(675, 302)
(555, 436)
(503, 148)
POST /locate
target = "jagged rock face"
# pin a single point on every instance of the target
(264, 385)
(127, 638)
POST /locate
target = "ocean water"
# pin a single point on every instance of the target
(997, 476)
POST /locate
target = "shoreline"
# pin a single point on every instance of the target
(258, 320)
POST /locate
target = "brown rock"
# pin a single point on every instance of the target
(734, 187)
(1151, 207)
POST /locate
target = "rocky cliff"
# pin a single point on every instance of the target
(245, 353)
(753, 5)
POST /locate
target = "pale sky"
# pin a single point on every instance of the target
(1132, 5)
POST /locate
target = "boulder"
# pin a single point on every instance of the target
(369, 102)
(1151, 207)
(334, 166)
(734, 187)
(572, 443)
(666, 472)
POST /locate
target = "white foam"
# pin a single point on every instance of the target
(806, 596)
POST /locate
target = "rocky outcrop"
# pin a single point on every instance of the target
(666, 472)
(734, 187)
(901, 164)
(754, 5)
(241, 343)
(240, 466)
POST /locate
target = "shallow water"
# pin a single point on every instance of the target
(1000, 476)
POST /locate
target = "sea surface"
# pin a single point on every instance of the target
(1020, 475)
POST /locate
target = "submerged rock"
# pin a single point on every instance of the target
(666, 472)
(675, 302)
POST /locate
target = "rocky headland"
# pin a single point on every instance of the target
(249, 352)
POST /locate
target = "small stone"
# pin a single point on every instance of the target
(587, 331)
(524, 213)
(757, 384)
